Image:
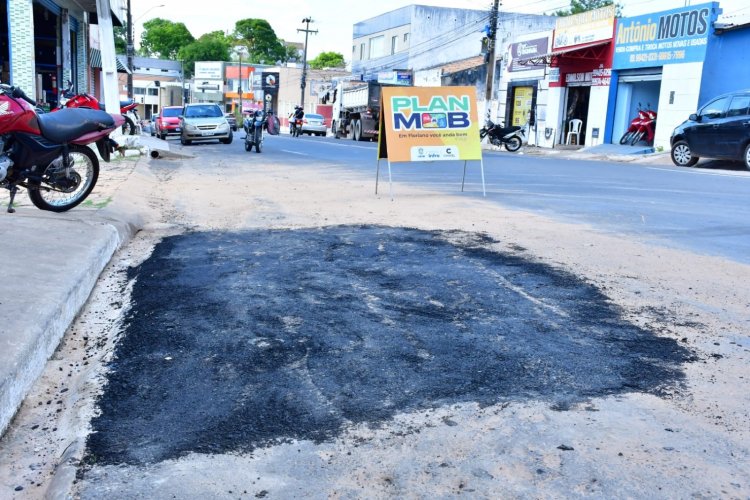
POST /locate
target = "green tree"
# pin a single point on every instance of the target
(121, 39)
(162, 38)
(261, 41)
(214, 46)
(328, 60)
(579, 6)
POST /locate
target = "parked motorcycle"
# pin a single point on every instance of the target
(253, 126)
(48, 154)
(646, 129)
(644, 124)
(512, 138)
(68, 99)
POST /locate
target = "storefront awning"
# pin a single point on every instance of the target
(584, 51)
(95, 61)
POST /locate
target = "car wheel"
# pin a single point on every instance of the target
(747, 157)
(184, 141)
(682, 156)
(163, 137)
(228, 140)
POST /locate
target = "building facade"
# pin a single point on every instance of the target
(45, 43)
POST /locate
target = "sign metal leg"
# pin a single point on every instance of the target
(464, 179)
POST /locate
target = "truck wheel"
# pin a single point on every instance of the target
(335, 130)
(355, 130)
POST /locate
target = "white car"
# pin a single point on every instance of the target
(314, 124)
(202, 122)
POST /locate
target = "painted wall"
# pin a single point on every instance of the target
(719, 76)
(685, 81)
(597, 117)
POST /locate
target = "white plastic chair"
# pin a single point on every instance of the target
(574, 129)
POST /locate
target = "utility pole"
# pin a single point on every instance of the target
(130, 50)
(492, 36)
(303, 83)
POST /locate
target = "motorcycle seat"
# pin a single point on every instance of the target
(71, 123)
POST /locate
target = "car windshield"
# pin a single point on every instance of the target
(206, 111)
(313, 116)
(171, 112)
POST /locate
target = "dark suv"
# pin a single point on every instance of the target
(720, 129)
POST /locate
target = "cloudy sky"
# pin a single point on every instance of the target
(334, 18)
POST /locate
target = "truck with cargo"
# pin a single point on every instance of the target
(356, 110)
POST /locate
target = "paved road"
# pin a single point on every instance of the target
(703, 210)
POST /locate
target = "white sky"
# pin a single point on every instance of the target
(334, 18)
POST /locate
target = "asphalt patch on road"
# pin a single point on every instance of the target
(242, 340)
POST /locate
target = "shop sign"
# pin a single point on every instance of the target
(601, 77)
(270, 83)
(208, 70)
(578, 78)
(554, 75)
(526, 50)
(668, 37)
(591, 26)
(395, 77)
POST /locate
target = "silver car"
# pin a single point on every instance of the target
(204, 122)
(313, 124)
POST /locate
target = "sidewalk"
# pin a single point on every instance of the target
(51, 263)
(602, 152)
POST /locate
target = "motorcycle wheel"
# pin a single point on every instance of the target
(248, 146)
(257, 147)
(626, 137)
(58, 193)
(258, 141)
(637, 137)
(128, 128)
(513, 144)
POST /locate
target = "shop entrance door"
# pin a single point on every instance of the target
(576, 107)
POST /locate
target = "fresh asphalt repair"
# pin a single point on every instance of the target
(236, 341)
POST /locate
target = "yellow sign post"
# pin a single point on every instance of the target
(428, 124)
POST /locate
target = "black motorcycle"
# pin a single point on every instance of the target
(253, 126)
(512, 138)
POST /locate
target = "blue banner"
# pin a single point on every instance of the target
(668, 37)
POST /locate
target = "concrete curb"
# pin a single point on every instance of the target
(52, 262)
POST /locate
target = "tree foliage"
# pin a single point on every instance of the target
(261, 41)
(162, 38)
(121, 39)
(580, 6)
(214, 46)
(328, 60)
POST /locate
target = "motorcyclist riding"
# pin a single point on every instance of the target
(296, 120)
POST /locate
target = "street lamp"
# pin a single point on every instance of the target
(131, 47)
(240, 50)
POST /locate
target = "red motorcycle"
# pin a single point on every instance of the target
(642, 125)
(68, 99)
(646, 129)
(48, 154)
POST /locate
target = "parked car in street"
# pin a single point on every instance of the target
(168, 121)
(720, 129)
(313, 124)
(232, 120)
(203, 122)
